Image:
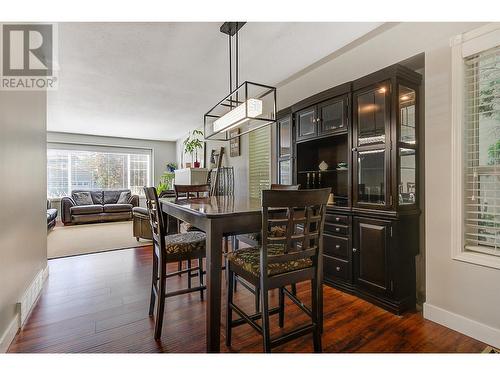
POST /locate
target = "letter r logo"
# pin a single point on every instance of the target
(27, 50)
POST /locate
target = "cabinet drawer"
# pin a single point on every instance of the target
(337, 219)
(337, 229)
(335, 268)
(335, 246)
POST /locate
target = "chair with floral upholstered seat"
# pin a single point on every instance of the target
(292, 256)
(169, 249)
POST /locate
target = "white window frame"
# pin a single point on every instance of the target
(462, 46)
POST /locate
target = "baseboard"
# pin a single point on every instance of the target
(24, 307)
(469, 327)
(9, 334)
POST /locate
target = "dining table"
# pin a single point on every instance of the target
(217, 216)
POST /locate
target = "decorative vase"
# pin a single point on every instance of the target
(323, 166)
(196, 164)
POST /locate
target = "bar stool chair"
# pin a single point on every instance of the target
(170, 249)
(281, 261)
(255, 239)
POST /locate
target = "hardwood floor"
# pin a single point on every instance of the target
(99, 303)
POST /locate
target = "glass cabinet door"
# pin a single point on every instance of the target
(407, 144)
(372, 115)
(371, 177)
(306, 123)
(332, 117)
(285, 137)
(285, 172)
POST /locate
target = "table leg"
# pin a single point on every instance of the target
(214, 266)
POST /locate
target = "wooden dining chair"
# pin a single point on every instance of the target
(169, 249)
(255, 239)
(282, 260)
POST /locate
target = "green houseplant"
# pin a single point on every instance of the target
(192, 144)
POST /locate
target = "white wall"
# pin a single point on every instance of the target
(163, 151)
(23, 221)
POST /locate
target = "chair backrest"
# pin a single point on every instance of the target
(301, 220)
(188, 191)
(284, 187)
(221, 181)
(156, 219)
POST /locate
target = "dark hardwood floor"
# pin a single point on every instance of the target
(99, 303)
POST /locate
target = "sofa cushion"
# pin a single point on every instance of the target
(118, 207)
(87, 209)
(124, 197)
(82, 198)
(140, 211)
(51, 214)
(112, 196)
(97, 196)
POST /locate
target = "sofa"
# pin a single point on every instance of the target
(51, 216)
(94, 206)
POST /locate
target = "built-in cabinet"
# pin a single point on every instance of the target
(366, 132)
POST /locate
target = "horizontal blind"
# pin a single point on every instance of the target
(482, 152)
(259, 164)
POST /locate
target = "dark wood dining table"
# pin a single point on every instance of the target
(217, 217)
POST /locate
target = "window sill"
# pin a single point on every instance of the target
(485, 260)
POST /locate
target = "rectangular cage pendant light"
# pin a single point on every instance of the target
(249, 107)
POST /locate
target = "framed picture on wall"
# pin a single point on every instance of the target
(234, 144)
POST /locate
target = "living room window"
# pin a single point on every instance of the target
(71, 167)
(477, 146)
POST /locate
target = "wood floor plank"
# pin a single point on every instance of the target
(98, 303)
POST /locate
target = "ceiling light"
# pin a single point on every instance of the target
(248, 106)
(405, 97)
(382, 90)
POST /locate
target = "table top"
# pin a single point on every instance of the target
(216, 206)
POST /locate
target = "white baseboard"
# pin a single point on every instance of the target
(26, 304)
(469, 327)
(9, 334)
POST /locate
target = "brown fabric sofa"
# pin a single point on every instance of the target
(102, 206)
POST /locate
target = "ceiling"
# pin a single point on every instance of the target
(156, 80)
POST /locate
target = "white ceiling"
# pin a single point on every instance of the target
(156, 80)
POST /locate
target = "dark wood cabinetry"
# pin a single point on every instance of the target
(366, 132)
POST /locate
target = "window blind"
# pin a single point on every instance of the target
(482, 152)
(259, 164)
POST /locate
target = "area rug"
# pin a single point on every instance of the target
(91, 238)
(491, 350)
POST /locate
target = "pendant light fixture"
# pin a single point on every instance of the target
(249, 106)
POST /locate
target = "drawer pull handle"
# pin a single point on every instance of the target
(354, 250)
(337, 268)
(337, 229)
(337, 246)
(337, 219)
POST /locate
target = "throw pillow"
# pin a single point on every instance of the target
(82, 198)
(124, 197)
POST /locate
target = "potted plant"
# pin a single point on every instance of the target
(191, 146)
(166, 182)
(171, 167)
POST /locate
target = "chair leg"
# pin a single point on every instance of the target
(153, 283)
(266, 330)
(179, 267)
(160, 309)
(200, 272)
(294, 289)
(315, 316)
(282, 307)
(257, 299)
(229, 310)
(189, 272)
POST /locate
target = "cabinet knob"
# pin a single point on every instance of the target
(337, 246)
(337, 229)
(337, 268)
(354, 149)
(337, 219)
(354, 250)
(313, 120)
(318, 119)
